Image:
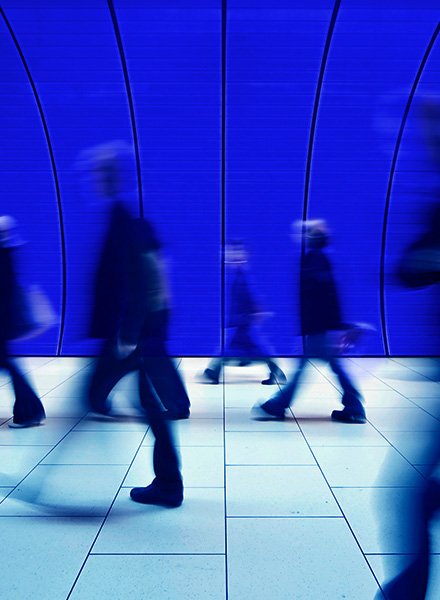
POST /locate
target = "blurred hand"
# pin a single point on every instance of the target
(123, 350)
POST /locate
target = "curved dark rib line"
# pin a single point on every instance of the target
(322, 69)
(130, 103)
(330, 31)
(55, 176)
(391, 181)
(223, 175)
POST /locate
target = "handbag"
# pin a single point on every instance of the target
(32, 313)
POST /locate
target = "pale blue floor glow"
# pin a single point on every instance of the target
(303, 509)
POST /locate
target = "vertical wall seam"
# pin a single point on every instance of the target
(391, 182)
(130, 103)
(55, 177)
(223, 175)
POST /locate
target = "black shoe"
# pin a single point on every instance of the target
(275, 377)
(152, 494)
(267, 412)
(24, 424)
(244, 363)
(348, 416)
(210, 375)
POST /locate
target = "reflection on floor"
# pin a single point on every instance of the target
(302, 509)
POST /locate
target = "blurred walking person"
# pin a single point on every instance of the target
(131, 315)
(28, 410)
(320, 315)
(244, 341)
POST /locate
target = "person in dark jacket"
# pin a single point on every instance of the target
(243, 338)
(320, 314)
(28, 410)
(131, 315)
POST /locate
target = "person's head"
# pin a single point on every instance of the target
(316, 233)
(105, 169)
(9, 237)
(236, 253)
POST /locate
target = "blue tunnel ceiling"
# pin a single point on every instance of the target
(244, 116)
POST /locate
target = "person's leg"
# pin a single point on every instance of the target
(166, 488)
(108, 370)
(212, 372)
(280, 402)
(28, 409)
(353, 411)
(276, 374)
(160, 369)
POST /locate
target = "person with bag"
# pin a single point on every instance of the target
(320, 316)
(28, 410)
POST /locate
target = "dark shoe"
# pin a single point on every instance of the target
(152, 494)
(210, 375)
(32, 423)
(348, 416)
(267, 412)
(244, 363)
(275, 377)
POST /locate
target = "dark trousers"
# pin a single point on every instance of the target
(159, 385)
(247, 343)
(27, 405)
(319, 346)
(158, 377)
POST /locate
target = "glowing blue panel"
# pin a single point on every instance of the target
(273, 58)
(413, 316)
(174, 63)
(27, 187)
(73, 56)
(373, 58)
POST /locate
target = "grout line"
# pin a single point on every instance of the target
(105, 518)
(339, 506)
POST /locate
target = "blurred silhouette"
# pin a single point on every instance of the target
(419, 268)
(244, 342)
(131, 315)
(28, 410)
(320, 315)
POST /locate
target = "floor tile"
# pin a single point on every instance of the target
(379, 518)
(17, 461)
(287, 491)
(96, 447)
(292, 558)
(65, 490)
(358, 466)
(43, 555)
(156, 577)
(430, 405)
(194, 432)
(267, 448)
(324, 432)
(202, 466)
(406, 419)
(49, 433)
(386, 399)
(196, 527)
(418, 447)
(388, 566)
(241, 419)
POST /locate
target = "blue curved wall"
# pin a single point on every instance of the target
(244, 116)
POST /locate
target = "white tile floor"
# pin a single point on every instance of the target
(304, 509)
